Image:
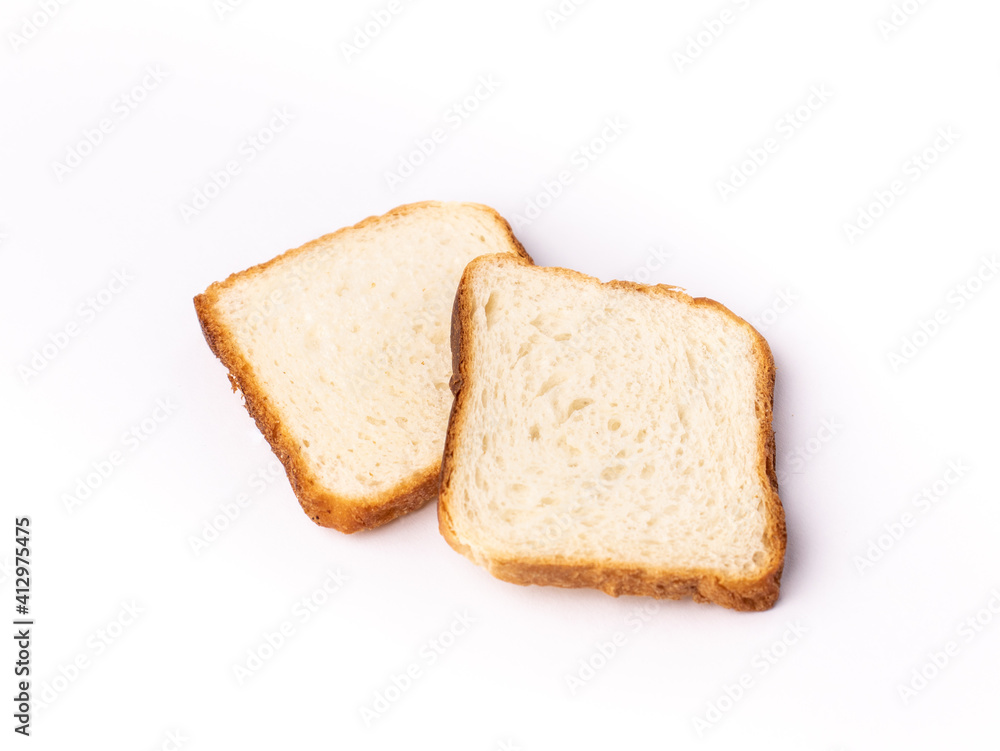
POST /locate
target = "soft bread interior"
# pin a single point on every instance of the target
(349, 339)
(604, 424)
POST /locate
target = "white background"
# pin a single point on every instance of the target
(781, 237)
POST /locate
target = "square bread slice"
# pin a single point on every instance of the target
(615, 436)
(341, 351)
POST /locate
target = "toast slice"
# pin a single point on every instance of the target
(615, 436)
(341, 351)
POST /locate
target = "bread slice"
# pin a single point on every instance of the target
(615, 436)
(341, 351)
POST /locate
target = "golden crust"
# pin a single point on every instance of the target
(755, 593)
(322, 506)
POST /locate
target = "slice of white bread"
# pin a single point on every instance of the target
(341, 351)
(615, 436)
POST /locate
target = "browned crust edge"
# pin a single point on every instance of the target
(328, 509)
(756, 593)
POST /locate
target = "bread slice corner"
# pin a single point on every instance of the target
(615, 436)
(340, 351)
